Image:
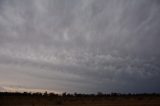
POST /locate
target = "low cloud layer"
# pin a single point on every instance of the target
(81, 46)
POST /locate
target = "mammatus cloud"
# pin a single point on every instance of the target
(80, 45)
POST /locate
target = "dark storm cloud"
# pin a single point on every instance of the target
(80, 45)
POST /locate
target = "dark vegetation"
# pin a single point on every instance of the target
(76, 99)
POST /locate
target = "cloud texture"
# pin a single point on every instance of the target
(80, 45)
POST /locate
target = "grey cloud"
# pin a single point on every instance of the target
(2, 89)
(80, 45)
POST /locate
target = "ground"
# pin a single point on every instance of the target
(7, 99)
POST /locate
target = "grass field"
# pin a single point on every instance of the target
(18, 99)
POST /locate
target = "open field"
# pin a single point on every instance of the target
(18, 99)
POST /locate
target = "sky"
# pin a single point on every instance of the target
(84, 46)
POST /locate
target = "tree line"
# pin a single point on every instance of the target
(99, 94)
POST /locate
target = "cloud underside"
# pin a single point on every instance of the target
(80, 45)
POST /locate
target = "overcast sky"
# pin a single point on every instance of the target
(81, 46)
